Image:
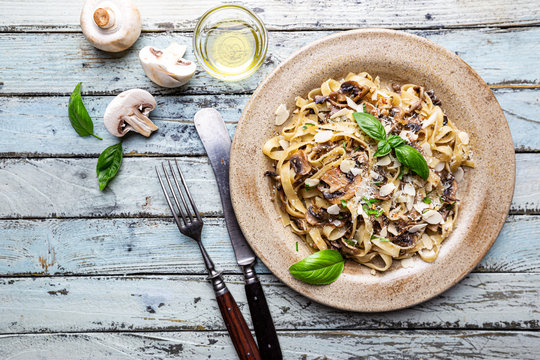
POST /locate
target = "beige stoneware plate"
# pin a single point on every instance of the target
(485, 193)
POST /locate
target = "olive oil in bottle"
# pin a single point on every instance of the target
(232, 48)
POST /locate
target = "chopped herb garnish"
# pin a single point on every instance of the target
(426, 200)
(377, 183)
(349, 242)
(345, 146)
(356, 148)
(380, 238)
(304, 127)
(343, 203)
(364, 107)
(309, 187)
(297, 246)
(310, 124)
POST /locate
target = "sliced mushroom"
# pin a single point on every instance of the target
(129, 112)
(166, 67)
(418, 104)
(316, 216)
(334, 178)
(353, 90)
(450, 189)
(111, 25)
(300, 163)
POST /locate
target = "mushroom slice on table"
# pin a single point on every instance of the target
(111, 25)
(129, 112)
(166, 67)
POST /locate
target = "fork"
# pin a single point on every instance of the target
(191, 226)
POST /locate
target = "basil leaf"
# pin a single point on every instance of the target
(411, 158)
(320, 268)
(80, 120)
(370, 125)
(383, 148)
(395, 141)
(108, 164)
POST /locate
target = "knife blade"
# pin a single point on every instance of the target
(217, 143)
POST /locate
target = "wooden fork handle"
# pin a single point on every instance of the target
(236, 326)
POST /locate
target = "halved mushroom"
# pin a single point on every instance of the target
(166, 67)
(129, 112)
(111, 25)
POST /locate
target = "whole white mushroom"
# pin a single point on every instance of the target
(167, 67)
(111, 25)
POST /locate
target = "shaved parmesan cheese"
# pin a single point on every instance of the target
(384, 161)
(312, 182)
(384, 232)
(342, 112)
(409, 190)
(284, 144)
(417, 228)
(347, 165)
(354, 106)
(458, 174)
(323, 136)
(392, 229)
(464, 137)
(282, 114)
(432, 217)
(431, 120)
(407, 263)
(333, 209)
(420, 206)
(439, 166)
(427, 149)
(387, 189)
(356, 171)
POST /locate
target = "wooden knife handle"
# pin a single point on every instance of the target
(262, 319)
(238, 330)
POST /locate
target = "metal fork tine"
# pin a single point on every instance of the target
(174, 196)
(168, 199)
(180, 191)
(187, 191)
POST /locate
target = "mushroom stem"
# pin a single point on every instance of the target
(104, 18)
(140, 123)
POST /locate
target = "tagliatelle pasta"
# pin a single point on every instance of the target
(333, 192)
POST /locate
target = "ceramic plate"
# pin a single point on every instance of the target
(485, 193)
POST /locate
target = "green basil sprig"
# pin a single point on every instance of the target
(108, 164)
(80, 120)
(406, 155)
(320, 268)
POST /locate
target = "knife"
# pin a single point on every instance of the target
(217, 143)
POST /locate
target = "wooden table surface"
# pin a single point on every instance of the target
(92, 275)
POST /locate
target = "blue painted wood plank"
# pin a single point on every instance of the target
(55, 63)
(160, 15)
(130, 246)
(75, 304)
(39, 126)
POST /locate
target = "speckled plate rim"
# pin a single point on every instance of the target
(476, 110)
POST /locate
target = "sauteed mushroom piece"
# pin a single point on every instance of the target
(300, 163)
(111, 25)
(129, 112)
(354, 90)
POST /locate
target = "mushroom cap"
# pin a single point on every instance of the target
(128, 111)
(119, 24)
(166, 67)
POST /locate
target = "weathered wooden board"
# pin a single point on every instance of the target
(77, 304)
(131, 246)
(285, 15)
(55, 63)
(56, 187)
(39, 126)
(362, 344)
